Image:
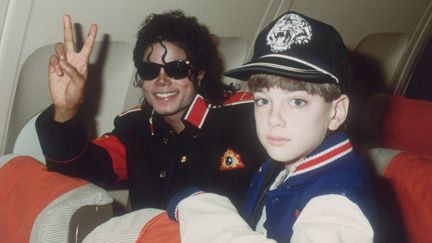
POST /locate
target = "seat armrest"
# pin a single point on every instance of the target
(42, 206)
(380, 158)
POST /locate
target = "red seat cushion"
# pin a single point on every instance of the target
(160, 229)
(26, 188)
(408, 125)
(410, 176)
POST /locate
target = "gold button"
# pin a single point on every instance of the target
(183, 159)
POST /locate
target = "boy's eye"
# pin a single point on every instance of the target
(298, 102)
(261, 101)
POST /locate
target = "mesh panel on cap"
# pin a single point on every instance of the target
(340, 63)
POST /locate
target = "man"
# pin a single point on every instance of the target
(189, 131)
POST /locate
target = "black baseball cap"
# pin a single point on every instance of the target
(298, 47)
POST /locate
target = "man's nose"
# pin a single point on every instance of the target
(163, 79)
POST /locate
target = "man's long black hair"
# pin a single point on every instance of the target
(195, 39)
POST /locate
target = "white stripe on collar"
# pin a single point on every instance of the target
(321, 159)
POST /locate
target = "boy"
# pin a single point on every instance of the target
(314, 188)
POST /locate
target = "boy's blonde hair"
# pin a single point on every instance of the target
(329, 91)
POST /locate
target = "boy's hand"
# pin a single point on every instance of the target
(67, 72)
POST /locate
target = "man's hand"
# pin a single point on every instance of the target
(67, 72)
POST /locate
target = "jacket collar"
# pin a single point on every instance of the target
(199, 109)
(195, 115)
(334, 147)
(197, 112)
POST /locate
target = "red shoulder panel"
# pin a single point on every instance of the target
(197, 111)
(117, 151)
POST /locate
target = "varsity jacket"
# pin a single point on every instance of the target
(217, 150)
(327, 197)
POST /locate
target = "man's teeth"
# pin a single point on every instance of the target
(165, 95)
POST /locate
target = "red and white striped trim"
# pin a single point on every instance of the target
(199, 108)
(197, 111)
(323, 158)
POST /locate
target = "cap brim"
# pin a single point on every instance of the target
(276, 66)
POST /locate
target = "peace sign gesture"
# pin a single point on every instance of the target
(67, 72)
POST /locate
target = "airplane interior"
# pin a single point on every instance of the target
(390, 45)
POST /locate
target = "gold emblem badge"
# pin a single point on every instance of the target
(231, 160)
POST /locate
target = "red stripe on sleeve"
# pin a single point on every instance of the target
(117, 152)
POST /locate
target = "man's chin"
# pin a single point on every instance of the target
(168, 112)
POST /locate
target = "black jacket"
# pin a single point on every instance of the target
(218, 151)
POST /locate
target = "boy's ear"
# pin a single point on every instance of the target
(340, 112)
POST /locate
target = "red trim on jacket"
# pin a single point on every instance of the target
(197, 111)
(325, 157)
(68, 160)
(239, 98)
(199, 108)
(117, 152)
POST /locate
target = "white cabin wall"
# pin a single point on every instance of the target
(3, 8)
(355, 19)
(12, 37)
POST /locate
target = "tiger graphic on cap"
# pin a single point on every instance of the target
(289, 29)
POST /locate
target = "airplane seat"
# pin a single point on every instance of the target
(55, 208)
(109, 91)
(40, 206)
(27, 142)
(110, 78)
(394, 134)
(377, 56)
(401, 155)
(374, 63)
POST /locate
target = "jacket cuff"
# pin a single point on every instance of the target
(61, 141)
(172, 208)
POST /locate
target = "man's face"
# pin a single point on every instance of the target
(169, 97)
(291, 124)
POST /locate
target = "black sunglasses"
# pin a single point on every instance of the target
(176, 69)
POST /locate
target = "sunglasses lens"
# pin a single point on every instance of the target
(177, 69)
(149, 70)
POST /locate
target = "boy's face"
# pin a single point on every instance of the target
(291, 124)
